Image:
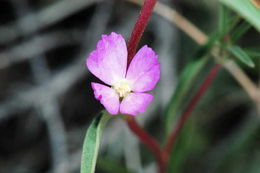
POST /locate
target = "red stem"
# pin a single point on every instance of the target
(147, 140)
(160, 155)
(134, 39)
(139, 28)
(187, 112)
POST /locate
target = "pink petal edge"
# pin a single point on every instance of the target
(107, 96)
(108, 62)
(135, 103)
(144, 70)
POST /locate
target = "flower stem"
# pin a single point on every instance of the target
(187, 112)
(147, 140)
(134, 39)
(139, 27)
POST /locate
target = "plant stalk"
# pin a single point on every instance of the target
(139, 28)
(134, 39)
(148, 141)
(187, 112)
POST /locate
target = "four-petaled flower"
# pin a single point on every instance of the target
(127, 87)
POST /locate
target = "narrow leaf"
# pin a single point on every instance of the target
(223, 19)
(254, 53)
(241, 55)
(240, 31)
(111, 166)
(188, 75)
(181, 149)
(247, 9)
(185, 83)
(91, 143)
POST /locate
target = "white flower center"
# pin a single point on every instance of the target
(122, 88)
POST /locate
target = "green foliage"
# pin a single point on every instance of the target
(234, 32)
(111, 166)
(246, 9)
(241, 55)
(254, 53)
(186, 79)
(231, 29)
(181, 149)
(92, 142)
(223, 20)
(239, 31)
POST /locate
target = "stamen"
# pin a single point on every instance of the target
(122, 88)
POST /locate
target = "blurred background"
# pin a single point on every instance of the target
(46, 102)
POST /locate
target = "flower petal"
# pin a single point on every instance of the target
(135, 103)
(107, 96)
(144, 70)
(108, 62)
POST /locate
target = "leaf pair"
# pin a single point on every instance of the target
(228, 26)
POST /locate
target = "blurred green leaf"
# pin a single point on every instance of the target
(205, 49)
(241, 55)
(246, 9)
(255, 166)
(112, 166)
(91, 143)
(233, 21)
(255, 53)
(181, 149)
(240, 30)
(223, 20)
(186, 79)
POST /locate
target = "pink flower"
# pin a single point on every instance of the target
(127, 87)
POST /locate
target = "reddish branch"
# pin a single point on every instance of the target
(139, 27)
(147, 140)
(187, 112)
(135, 37)
(161, 155)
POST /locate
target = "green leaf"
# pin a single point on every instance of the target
(185, 83)
(205, 49)
(181, 149)
(246, 9)
(254, 53)
(91, 143)
(111, 166)
(189, 142)
(186, 79)
(241, 55)
(240, 30)
(233, 21)
(223, 19)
